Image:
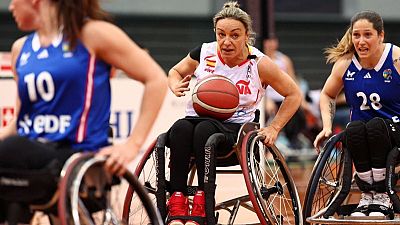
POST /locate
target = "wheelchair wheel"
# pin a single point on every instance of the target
(326, 178)
(146, 171)
(86, 196)
(269, 183)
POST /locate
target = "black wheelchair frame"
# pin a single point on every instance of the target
(332, 185)
(268, 188)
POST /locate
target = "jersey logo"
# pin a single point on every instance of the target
(367, 76)
(210, 64)
(243, 87)
(24, 58)
(350, 75)
(43, 55)
(67, 51)
(387, 75)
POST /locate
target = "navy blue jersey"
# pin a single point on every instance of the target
(65, 94)
(373, 92)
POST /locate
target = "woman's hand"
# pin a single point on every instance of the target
(182, 86)
(321, 137)
(119, 156)
(270, 134)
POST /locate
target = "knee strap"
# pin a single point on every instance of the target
(379, 186)
(364, 186)
(378, 130)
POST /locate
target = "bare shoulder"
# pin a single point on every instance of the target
(396, 57)
(16, 50)
(264, 64)
(341, 65)
(93, 27)
(97, 33)
(17, 45)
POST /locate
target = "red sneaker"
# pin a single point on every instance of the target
(199, 208)
(178, 205)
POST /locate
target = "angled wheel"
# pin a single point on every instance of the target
(269, 183)
(326, 177)
(86, 196)
(147, 171)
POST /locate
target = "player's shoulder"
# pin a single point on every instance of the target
(396, 57)
(98, 34)
(344, 61)
(341, 65)
(396, 51)
(18, 44)
(97, 27)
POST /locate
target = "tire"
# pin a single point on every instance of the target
(326, 177)
(270, 186)
(146, 172)
(86, 194)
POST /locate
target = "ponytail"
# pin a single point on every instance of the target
(343, 47)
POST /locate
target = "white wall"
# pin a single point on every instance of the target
(388, 9)
(159, 7)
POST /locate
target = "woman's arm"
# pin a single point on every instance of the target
(179, 76)
(112, 45)
(330, 91)
(271, 75)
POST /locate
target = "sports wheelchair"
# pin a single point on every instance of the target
(80, 194)
(332, 194)
(272, 196)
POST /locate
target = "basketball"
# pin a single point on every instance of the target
(215, 96)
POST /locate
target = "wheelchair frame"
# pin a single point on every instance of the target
(71, 200)
(332, 185)
(249, 149)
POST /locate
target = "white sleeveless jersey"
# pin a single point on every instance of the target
(244, 76)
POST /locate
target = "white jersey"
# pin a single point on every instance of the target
(244, 76)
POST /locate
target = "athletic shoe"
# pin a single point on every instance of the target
(178, 205)
(198, 208)
(381, 205)
(362, 208)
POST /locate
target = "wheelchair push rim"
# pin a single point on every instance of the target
(72, 209)
(269, 182)
(325, 183)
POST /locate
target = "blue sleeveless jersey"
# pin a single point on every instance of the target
(373, 92)
(65, 94)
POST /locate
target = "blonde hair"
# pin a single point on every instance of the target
(231, 10)
(345, 45)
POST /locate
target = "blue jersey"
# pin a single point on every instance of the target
(65, 94)
(373, 92)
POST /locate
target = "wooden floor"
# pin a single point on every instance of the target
(235, 186)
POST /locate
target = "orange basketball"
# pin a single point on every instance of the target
(215, 96)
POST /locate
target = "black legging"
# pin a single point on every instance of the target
(21, 153)
(188, 137)
(368, 143)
